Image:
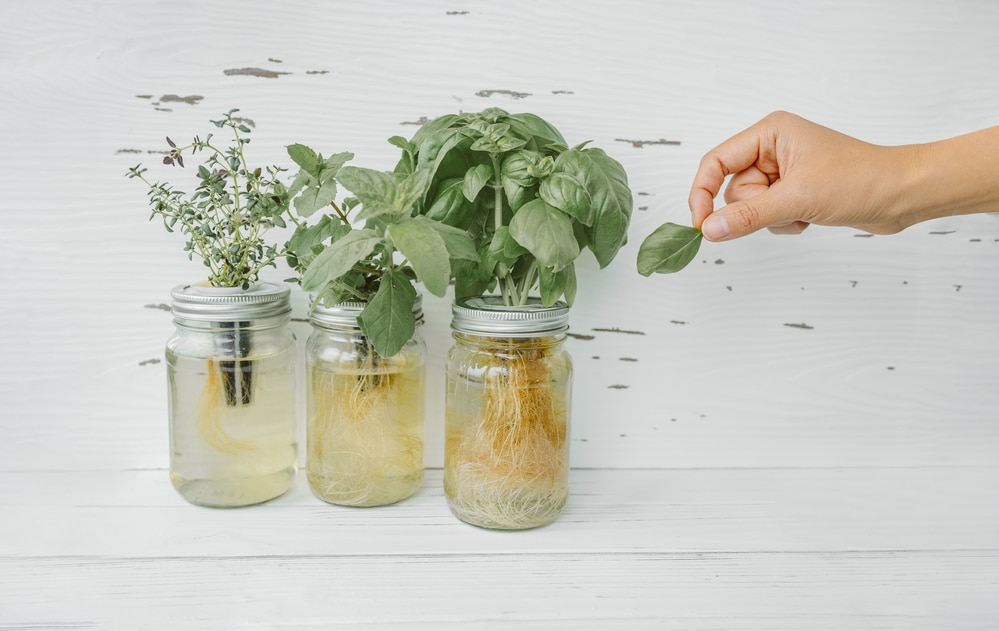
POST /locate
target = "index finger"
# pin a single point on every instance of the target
(736, 154)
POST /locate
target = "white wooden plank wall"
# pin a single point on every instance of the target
(794, 432)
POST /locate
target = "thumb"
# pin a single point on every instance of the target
(743, 217)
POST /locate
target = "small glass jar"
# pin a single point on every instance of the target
(231, 379)
(365, 412)
(508, 400)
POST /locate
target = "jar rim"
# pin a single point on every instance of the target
(345, 314)
(202, 302)
(489, 315)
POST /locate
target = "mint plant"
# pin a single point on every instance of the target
(370, 247)
(530, 203)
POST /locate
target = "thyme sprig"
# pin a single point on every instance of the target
(230, 210)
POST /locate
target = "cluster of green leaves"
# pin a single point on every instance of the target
(529, 202)
(373, 246)
(669, 248)
(231, 208)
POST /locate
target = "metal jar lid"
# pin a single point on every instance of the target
(344, 315)
(201, 302)
(487, 315)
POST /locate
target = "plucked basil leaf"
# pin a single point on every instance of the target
(668, 249)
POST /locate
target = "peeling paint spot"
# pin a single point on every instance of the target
(957, 287)
(253, 72)
(128, 151)
(891, 368)
(303, 320)
(943, 231)
(596, 357)
(644, 194)
(975, 240)
(728, 287)
(678, 322)
(581, 336)
(317, 72)
(149, 361)
(423, 120)
(510, 93)
(643, 208)
(617, 330)
(623, 435)
(163, 109)
(801, 325)
(562, 92)
(618, 386)
(191, 99)
(143, 96)
(853, 283)
(161, 307)
(276, 61)
(457, 12)
(627, 359)
(863, 236)
(638, 144)
(719, 261)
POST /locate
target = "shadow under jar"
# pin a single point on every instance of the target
(231, 379)
(508, 400)
(365, 412)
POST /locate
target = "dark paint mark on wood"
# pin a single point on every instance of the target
(423, 120)
(643, 208)
(678, 322)
(510, 93)
(638, 144)
(149, 361)
(975, 240)
(628, 359)
(943, 231)
(580, 336)
(191, 99)
(596, 357)
(161, 307)
(618, 386)
(719, 261)
(864, 236)
(317, 72)
(957, 287)
(143, 96)
(617, 330)
(253, 72)
(246, 121)
(800, 325)
(728, 287)
(891, 368)
(853, 283)
(562, 92)
(276, 61)
(457, 12)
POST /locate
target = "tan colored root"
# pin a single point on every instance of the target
(360, 452)
(511, 470)
(211, 413)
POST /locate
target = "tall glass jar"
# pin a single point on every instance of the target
(508, 400)
(365, 412)
(231, 379)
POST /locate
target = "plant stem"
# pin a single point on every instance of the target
(528, 281)
(507, 287)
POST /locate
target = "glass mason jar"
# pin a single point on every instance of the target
(508, 399)
(365, 412)
(231, 379)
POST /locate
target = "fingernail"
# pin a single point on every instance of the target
(715, 227)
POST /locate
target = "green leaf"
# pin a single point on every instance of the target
(338, 259)
(450, 205)
(412, 190)
(535, 127)
(607, 183)
(388, 318)
(554, 285)
(476, 178)
(567, 193)
(332, 165)
(305, 158)
(312, 198)
(458, 243)
(546, 232)
(370, 186)
(427, 253)
(668, 249)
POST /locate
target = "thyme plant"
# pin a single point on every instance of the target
(229, 212)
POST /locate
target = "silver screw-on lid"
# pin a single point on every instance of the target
(202, 302)
(487, 315)
(344, 314)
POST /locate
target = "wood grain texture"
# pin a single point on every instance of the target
(793, 433)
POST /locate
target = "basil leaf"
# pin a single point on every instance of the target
(412, 190)
(566, 192)
(607, 184)
(546, 232)
(388, 318)
(426, 251)
(532, 126)
(476, 178)
(338, 259)
(450, 205)
(668, 249)
(458, 243)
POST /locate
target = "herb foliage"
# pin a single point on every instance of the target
(668, 249)
(530, 203)
(231, 209)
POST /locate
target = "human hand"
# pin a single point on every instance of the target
(788, 172)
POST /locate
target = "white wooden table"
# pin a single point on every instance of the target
(793, 433)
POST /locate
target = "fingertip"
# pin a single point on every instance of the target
(715, 227)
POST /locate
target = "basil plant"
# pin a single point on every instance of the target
(529, 202)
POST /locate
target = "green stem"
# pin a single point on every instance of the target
(508, 288)
(528, 282)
